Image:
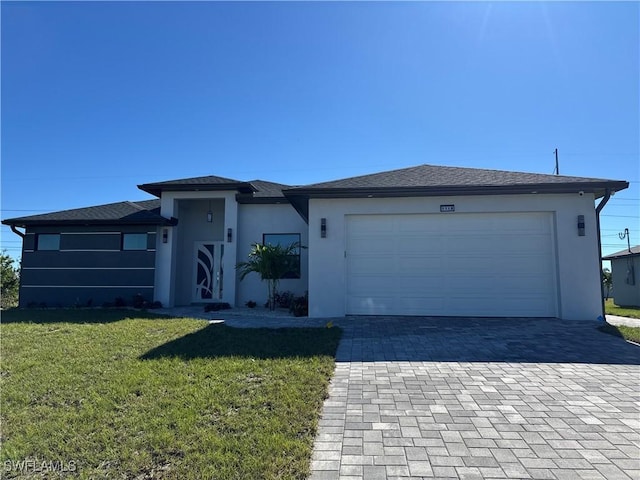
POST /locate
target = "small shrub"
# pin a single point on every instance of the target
(119, 302)
(251, 304)
(214, 307)
(300, 306)
(138, 301)
(284, 299)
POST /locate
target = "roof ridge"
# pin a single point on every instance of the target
(134, 204)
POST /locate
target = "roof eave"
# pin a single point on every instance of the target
(156, 189)
(618, 257)
(24, 223)
(299, 197)
(596, 188)
(245, 199)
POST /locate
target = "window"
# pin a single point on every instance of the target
(48, 241)
(284, 240)
(134, 241)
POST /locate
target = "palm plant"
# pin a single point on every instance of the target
(272, 263)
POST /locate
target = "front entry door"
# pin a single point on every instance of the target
(208, 271)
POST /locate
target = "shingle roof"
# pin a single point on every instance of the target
(624, 253)
(145, 212)
(208, 183)
(438, 176)
(422, 180)
(431, 180)
(267, 189)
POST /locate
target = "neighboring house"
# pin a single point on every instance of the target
(425, 240)
(625, 268)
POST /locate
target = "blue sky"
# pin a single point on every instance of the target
(100, 97)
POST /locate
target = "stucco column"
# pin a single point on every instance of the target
(165, 255)
(230, 249)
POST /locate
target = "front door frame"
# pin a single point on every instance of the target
(207, 271)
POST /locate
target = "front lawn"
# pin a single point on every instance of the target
(611, 308)
(129, 395)
(628, 333)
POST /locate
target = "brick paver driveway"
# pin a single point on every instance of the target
(480, 398)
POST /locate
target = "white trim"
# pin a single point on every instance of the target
(25, 251)
(88, 268)
(95, 250)
(87, 286)
(90, 233)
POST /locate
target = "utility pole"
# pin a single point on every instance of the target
(626, 235)
(557, 168)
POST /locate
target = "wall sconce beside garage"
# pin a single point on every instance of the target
(323, 228)
(581, 226)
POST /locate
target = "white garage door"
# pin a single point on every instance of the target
(497, 264)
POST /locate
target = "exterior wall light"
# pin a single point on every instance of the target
(323, 228)
(229, 235)
(581, 225)
(165, 235)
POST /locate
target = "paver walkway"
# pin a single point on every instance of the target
(480, 398)
(472, 398)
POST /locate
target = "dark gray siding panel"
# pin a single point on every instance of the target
(130, 258)
(64, 296)
(89, 266)
(29, 242)
(88, 277)
(86, 241)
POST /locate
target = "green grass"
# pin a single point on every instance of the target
(611, 308)
(628, 333)
(151, 397)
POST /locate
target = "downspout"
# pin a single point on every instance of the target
(17, 232)
(603, 202)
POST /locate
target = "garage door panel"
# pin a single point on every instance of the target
(461, 264)
(407, 224)
(502, 267)
(417, 244)
(372, 265)
(373, 285)
(367, 224)
(371, 244)
(371, 305)
(418, 265)
(420, 285)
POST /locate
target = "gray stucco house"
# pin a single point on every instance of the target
(425, 240)
(625, 268)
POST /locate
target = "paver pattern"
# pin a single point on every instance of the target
(480, 398)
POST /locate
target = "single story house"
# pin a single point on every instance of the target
(426, 240)
(625, 268)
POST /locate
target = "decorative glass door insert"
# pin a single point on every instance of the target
(208, 271)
